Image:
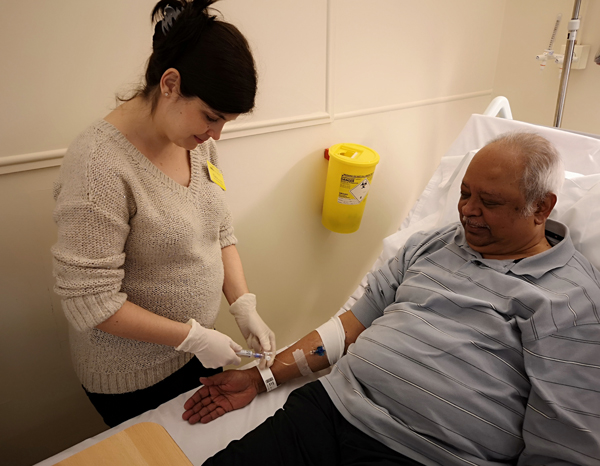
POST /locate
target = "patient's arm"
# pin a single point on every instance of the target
(234, 389)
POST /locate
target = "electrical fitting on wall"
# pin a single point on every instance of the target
(548, 54)
(580, 57)
(580, 52)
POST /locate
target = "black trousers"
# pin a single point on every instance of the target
(116, 409)
(308, 430)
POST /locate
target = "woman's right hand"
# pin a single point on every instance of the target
(220, 394)
(213, 349)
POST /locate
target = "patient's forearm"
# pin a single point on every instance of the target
(285, 368)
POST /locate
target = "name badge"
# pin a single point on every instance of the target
(215, 175)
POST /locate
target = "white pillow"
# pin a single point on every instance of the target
(578, 207)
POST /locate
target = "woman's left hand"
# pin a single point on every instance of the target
(257, 334)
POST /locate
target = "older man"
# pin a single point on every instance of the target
(476, 344)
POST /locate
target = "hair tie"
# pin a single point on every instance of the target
(169, 16)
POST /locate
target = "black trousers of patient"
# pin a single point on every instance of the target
(308, 430)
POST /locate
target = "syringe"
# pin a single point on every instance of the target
(267, 355)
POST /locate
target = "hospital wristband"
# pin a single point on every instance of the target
(268, 378)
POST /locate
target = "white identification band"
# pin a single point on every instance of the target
(334, 338)
(301, 362)
(268, 378)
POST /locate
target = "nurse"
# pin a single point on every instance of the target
(145, 238)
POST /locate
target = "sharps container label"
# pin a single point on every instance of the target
(353, 189)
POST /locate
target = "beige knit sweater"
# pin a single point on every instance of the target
(128, 231)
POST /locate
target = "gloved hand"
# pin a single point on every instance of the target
(255, 331)
(213, 349)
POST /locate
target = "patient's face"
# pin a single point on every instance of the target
(491, 203)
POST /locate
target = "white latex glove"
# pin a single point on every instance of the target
(213, 349)
(255, 331)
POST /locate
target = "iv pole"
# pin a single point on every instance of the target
(564, 79)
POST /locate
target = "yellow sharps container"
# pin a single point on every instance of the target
(349, 177)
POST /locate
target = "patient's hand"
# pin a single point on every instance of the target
(220, 394)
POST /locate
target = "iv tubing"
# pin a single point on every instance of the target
(564, 79)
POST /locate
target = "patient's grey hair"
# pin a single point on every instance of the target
(543, 172)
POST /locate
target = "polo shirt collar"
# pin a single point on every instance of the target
(534, 266)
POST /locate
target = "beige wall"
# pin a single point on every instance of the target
(526, 33)
(399, 76)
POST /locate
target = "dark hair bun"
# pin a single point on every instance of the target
(212, 57)
(166, 13)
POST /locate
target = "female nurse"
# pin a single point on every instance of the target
(145, 238)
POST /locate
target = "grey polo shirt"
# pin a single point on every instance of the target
(471, 361)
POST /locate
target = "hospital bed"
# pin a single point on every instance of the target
(577, 207)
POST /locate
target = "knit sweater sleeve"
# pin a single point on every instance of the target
(226, 233)
(92, 213)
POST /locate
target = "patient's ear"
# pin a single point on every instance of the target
(544, 208)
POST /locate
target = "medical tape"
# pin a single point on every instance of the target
(334, 338)
(301, 362)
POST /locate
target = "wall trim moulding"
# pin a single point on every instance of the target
(406, 105)
(277, 124)
(53, 158)
(33, 161)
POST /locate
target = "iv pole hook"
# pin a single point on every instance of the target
(564, 79)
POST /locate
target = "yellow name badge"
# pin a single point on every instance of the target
(215, 175)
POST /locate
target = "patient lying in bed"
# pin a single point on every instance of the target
(475, 344)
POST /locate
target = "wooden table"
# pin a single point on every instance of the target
(143, 444)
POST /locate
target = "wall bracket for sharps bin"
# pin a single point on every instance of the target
(349, 178)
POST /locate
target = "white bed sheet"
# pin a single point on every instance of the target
(577, 207)
(200, 441)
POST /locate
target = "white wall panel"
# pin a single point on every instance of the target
(388, 52)
(289, 41)
(63, 62)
